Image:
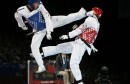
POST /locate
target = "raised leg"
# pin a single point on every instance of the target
(59, 21)
(60, 48)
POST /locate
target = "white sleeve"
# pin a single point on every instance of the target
(80, 29)
(75, 33)
(19, 19)
(46, 15)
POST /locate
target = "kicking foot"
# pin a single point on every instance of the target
(81, 83)
(41, 69)
(83, 11)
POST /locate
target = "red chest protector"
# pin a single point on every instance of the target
(89, 35)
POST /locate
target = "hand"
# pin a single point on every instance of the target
(94, 49)
(49, 36)
(24, 28)
(66, 70)
(63, 37)
(75, 26)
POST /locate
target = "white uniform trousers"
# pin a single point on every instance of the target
(77, 48)
(57, 21)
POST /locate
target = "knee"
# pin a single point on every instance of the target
(34, 47)
(59, 47)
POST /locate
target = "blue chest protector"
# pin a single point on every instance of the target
(37, 21)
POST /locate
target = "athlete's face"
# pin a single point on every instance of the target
(36, 5)
(94, 12)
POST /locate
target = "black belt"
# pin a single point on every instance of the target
(85, 42)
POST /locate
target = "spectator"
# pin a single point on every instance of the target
(62, 68)
(103, 76)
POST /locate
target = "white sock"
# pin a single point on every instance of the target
(81, 83)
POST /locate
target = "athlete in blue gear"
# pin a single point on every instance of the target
(41, 22)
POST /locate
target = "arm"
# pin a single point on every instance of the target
(19, 20)
(71, 34)
(93, 48)
(77, 31)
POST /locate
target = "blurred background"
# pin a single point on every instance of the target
(112, 42)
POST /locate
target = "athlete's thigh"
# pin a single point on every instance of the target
(38, 37)
(77, 53)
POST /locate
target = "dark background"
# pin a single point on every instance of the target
(112, 42)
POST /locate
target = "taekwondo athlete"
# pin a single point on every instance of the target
(41, 22)
(86, 34)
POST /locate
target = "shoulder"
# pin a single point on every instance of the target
(92, 22)
(90, 19)
(41, 6)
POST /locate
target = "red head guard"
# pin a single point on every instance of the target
(98, 11)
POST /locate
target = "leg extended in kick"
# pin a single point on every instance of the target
(53, 50)
(60, 48)
(59, 21)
